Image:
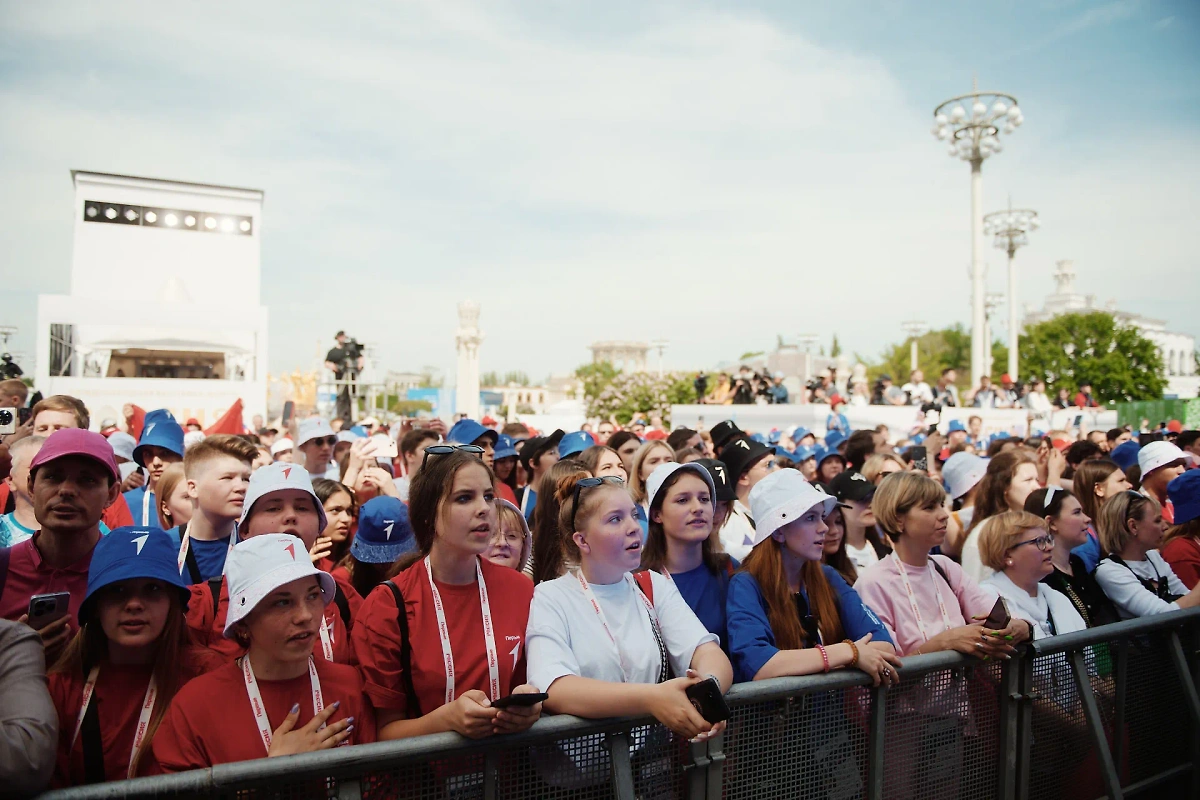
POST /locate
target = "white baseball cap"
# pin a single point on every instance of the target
(660, 474)
(781, 497)
(1158, 454)
(282, 446)
(962, 471)
(259, 566)
(278, 477)
(192, 438)
(313, 428)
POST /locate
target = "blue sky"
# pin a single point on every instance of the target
(713, 174)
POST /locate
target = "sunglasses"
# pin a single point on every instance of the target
(590, 483)
(320, 440)
(447, 449)
(1044, 543)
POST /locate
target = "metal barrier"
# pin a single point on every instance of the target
(1110, 711)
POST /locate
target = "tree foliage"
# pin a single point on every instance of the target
(596, 377)
(1116, 359)
(835, 349)
(504, 379)
(632, 393)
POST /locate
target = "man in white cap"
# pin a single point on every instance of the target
(282, 450)
(1161, 463)
(315, 442)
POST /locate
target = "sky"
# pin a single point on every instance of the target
(710, 174)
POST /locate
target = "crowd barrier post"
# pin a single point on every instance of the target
(1014, 701)
(1121, 680)
(622, 765)
(1091, 711)
(875, 749)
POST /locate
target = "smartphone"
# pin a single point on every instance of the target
(920, 458)
(520, 700)
(1078, 421)
(385, 446)
(999, 618)
(47, 608)
(289, 411)
(708, 700)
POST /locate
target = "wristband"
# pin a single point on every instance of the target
(854, 648)
(824, 656)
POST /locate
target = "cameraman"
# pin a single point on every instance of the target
(344, 361)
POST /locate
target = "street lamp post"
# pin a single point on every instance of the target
(972, 124)
(915, 329)
(1011, 229)
(660, 345)
(991, 301)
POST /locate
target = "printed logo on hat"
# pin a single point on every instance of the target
(287, 471)
(140, 541)
(291, 548)
(858, 476)
(720, 470)
(387, 529)
(742, 443)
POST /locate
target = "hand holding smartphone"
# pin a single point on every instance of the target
(45, 609)
(520, 700)
(708, 700)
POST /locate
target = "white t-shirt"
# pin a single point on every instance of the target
(565, 637)
(918, 393)
(862, 558)
(1131, 598)
(738, 533)
(972, 561)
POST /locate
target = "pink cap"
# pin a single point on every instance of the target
(77, 442)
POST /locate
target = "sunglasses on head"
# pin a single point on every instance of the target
(447, 449)
(590, 483)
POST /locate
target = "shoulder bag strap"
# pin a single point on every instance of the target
(93, 747)
(414, 705)
(642, 576)
(214, 587)
(189, 560)
(343, 604)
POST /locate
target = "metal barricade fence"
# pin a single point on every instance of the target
(1076, 716)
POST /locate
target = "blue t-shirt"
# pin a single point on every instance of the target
(529, 504)
(210, 556)
(751, 641)
(639, 514)
(706, 593)
(1089, 551)
(837, 422)
(134, 499)
(13, 532)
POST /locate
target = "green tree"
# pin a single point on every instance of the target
(634, 393)
(596, 377)
(407, 408)
(936, 351)
(835, 349)
(1116, 359)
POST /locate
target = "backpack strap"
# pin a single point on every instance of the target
(645, 582)
(189, 560)
(414, 705)
(642, 576)
(214, 587)
(941, 572)
(343, 605)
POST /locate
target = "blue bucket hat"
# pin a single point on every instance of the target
(1126, 454)
(575, 442)
(127, 553)
(828, 452)
(1184, 492)
(468, 431)
(800, 433)
(159, 430)
(956, 425)
(384, 531)
(783, 452)
(805, 452)
(834, 437)
(758, 437)
(505, 447)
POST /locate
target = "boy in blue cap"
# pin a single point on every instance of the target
(161, 445)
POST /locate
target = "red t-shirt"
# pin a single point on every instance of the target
(29, 575)
(376, 637)
(198, 731)
(1183, 554)
(506, 492)
(342, 576)
(208, 629)
(118, 699)
(117, 515)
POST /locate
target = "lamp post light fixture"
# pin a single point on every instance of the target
(972, 125)
(660, 345)
(1011, 229)
(915, 329)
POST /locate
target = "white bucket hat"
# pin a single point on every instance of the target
(781, 497)
(660, 474)
(962, 471)
(281, 446)
(260, 565)
(276, 478)
(312, 428)
(1158, 454)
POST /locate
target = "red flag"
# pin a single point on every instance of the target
(230, 421)
(136, 421)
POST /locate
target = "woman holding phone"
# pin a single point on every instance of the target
(278, 600)
(440, 643)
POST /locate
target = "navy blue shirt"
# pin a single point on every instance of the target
(136, 500)
(1089, 551)
(210, 556)
(706, 593)
(751, 640)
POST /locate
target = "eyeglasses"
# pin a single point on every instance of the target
(447, 449)
(1044, 543)
(590, 483)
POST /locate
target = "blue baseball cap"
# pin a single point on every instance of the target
(575, 442)
(956, 425)
(1184, 492)
(828, 452)
(805, 452)
(505, 447)
(801, 432)
(159, 430)
(834, 437)
(384, 531)
(127, 553)
(758, 437)
(783, 452)
(1126, 454)
(468, 431)
(774, 436)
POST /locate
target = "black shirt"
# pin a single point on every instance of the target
(1084, 592)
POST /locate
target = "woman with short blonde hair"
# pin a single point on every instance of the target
(880, 465)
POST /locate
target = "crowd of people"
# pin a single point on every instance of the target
(488, 574)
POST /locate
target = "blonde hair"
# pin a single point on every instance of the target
(637, 486)
(220, 444)
(67, 405)
(167, 484)
(901, 492)
(872, 468)
(1001, 534)
(572, 518)
(1112, 523)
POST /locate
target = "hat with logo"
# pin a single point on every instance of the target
(159, 429)
(281, 446)
(1184, 492)
(76, 442)
(660, 474)
(824, 453)
(260, 565)
(961, 472)
(834, 437)
(723, 432)
(758, 437)
(128, 553)
(575, 442)
(122, 444)
(312, 428)
(783, 452)
(774, 436)
(799, 432)
(279, 477)
(384, 531)
(851, 486)
(782, 497)
(505, 447)
(804, 452)
(349, 436)
(192, 438)
(741, 454)
(956, 426)
(1125, 454)
(468, 431)
(1158, 454)
(723, 490)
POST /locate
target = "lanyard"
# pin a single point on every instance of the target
(260, 710)
(139, 735)
(146, 506)
(489, 639)
(185, 545)
(912, 598)
(626, 668)
(525, 500)
(326, 639)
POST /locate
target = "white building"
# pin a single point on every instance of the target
(164, 309)
(1177, 349)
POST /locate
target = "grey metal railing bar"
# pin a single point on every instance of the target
(622, 766)
(1117, 630)
(1154, 781)
(1091, 711)
(1119, 651)
(1010, 719)
(876, 750)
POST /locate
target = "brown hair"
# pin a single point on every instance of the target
(989, 499)
(564, 494)
(654, 553)
(66, 404)
(872, 468)
(430, 489)
(900, 493)
(1088, 476)
(167, 484)
(550, 542)
(1191, 529)
(14, 387)
(1112, 525)
(90, 647)
(637, 487)
(765, 565)
(590, 458)
(840, 560)
(1001, 534)
(219, 444)
(411, 441)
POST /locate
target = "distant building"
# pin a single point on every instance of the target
(625, 356)
(1178, 350)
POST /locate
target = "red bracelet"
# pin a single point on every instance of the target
(824, 656)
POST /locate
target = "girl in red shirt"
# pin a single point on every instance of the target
(118, 675)
(275, 699)
(433, 650)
